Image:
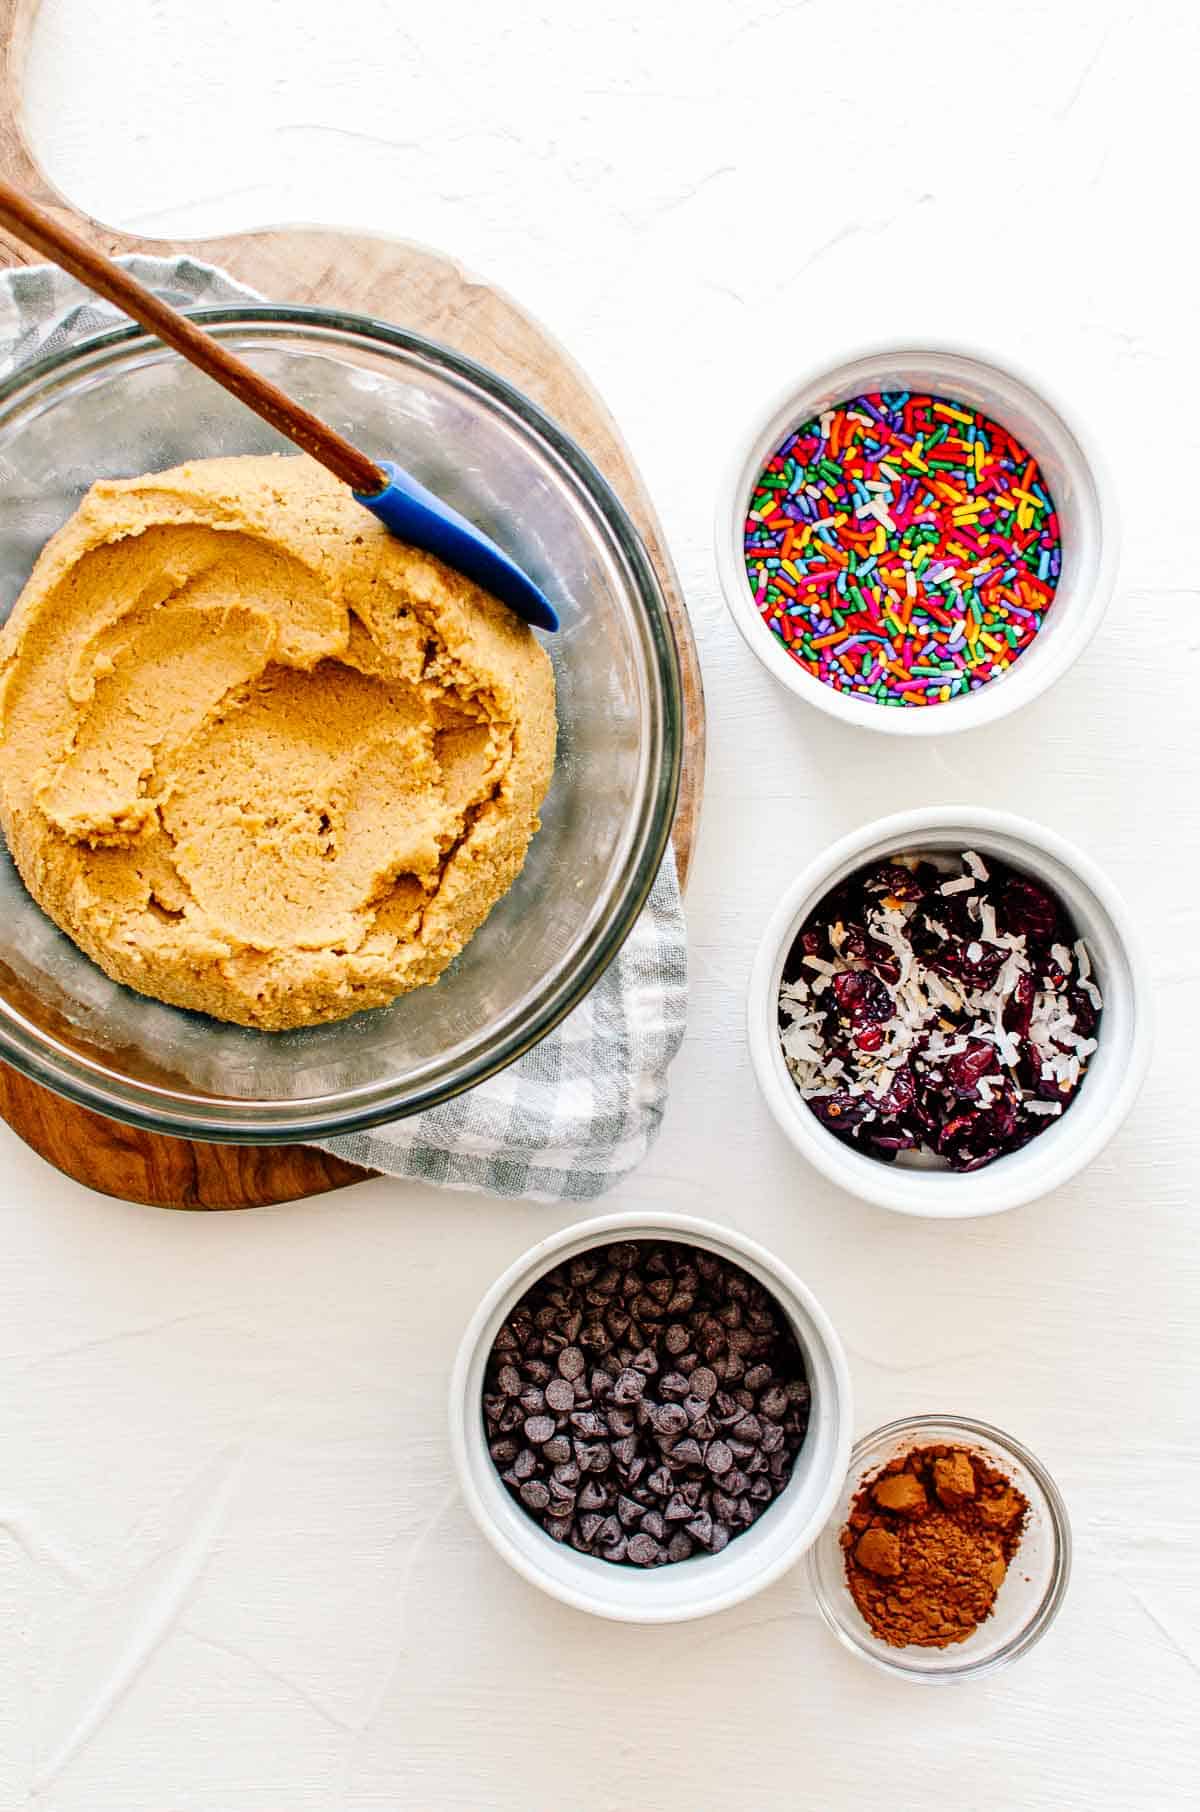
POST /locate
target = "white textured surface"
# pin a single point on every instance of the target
(234, 1574)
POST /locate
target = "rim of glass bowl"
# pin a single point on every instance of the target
(1048, 1606)
(217, 1118)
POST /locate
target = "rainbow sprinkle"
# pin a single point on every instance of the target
(903, 548)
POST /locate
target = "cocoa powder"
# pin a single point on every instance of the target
(927, 1544)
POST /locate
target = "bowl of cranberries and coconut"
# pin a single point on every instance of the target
(949, 1012)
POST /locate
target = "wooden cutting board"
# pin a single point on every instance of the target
(419, 289)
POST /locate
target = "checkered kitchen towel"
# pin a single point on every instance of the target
(575, 1114)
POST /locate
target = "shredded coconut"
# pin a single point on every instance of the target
(920, 1013)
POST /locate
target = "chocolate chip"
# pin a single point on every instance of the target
(629, 1386)
(661, 1398)
(687, 1453)
(701, 1527)
(669, 1419)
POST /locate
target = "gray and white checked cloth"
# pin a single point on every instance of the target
(580, 1110)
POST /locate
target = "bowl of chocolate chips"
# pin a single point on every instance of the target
(949, 1013)
(650, 1417)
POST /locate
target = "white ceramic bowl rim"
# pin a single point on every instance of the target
(687, 1589)
(1080, 608)
(1065, 1147)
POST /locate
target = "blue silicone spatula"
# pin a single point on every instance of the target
(404, 505)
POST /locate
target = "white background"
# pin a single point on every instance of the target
(234, 1571)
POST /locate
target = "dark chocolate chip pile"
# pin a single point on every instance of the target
(645, 1402)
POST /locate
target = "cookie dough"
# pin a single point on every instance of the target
(257, 757)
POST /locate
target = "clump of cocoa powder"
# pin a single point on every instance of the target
(927, 1544)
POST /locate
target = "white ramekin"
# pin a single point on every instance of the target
(1114, 1074)
(707, 1583)
(1072, 469)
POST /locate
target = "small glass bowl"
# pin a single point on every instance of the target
(1033, 1588)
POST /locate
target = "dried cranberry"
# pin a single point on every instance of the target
(1083, 1012)
(857, 942)
(869, 1039)
(949, 954)
(862, 998)
(887, 1145)
(964, 1070)
(974, 1137)
(1048, 1088)
(841, 1112)
(1019, 1010)
(1026, 909)
(900, 883)
(900, 1096)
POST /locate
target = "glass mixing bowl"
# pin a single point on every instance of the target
(121, 403)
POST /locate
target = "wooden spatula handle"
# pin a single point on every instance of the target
(28, 222)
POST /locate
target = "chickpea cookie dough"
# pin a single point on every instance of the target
(257, 757)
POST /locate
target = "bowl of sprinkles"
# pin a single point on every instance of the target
(917, 540)
(948, 1012)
